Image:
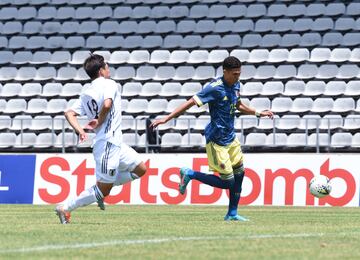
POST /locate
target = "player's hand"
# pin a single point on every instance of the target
(157, 122)
(267, 113)
(93, 124)
(82, 137)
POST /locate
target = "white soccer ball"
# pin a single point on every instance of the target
(320, 186)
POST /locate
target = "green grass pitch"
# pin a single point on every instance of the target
(180, 232)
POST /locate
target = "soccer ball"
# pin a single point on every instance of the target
(320, 186)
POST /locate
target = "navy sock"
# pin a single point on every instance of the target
(212, 180)
(235, 191)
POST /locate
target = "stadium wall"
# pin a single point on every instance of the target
(271, 179)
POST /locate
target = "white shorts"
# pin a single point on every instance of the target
(111, 159)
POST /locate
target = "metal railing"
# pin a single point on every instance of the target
(55, 134)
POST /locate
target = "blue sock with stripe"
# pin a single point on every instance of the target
(212, 180)
(235, 191)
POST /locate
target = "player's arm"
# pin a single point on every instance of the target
(178, 111)
(243, 108)
(71, 117)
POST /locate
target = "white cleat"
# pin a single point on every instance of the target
(63, 215)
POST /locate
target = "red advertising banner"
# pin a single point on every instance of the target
(270, 179)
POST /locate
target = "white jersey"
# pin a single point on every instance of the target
(90, 103)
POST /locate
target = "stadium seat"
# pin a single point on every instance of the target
(131, 89)
(341, 139)
(193, 140)
(247, 72)
(5, 123)
(288, 123)
(320, 139)
(278, 55)
(327, 71)
(10, 90)
(340, 55)
(251, 89)
(66, 140)
(281, 104)
(283, 25)
(258, 56)
(343, 105)
(137, 106)
(353, 9)
(255, 139)
(320, 54)
(25, 140)
(314, 88)
(223, 26)
(179, 56)
(355, 140)
(45, 73)
(21, 123)
(272, 88)
(164, 73)
(352, 88)
(294, 88)
(217, 11)
(310, 39)
(41, 123)
(331, 122)
(322, 105)
(15, 106)
(348, 71)
(245, 122)
(296, 10)
(51, 90)
(69, 27)
(350, 40)
(297, 139)
(277, 139)
(74, 42)
(351, 122)
(36, 106)
(7, 140)
(159, 57)
(307, 71)
(124, 73)
(185, 122)
(309, 122)
(301, 105)
(170, 89)
(160, 12)
(355, 54)
(266, 124)
(264, 26)
(171, 139)
(298, 55)
(285, 72)
(276, 10)
(40, 57)
(178, 12)
(251, 41)
(46, 13)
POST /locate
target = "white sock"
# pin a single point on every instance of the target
(85, 198)
(125, 177)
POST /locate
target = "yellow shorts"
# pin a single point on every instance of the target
(223, 158)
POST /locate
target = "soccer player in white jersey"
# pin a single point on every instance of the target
(116, 162)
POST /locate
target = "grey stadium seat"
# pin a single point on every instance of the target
(170, 89)
(25, 140)
(255, 139)
(294, 88)
(341, 139)
(30, 90)
(21, 123)
(10, 90)
(36, 106)
(331, 122)
(7, 140)
(322, 105)
(15, 106)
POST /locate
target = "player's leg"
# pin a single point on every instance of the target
(236, 157)
(105, 170)
(218, 161)
(131, 167)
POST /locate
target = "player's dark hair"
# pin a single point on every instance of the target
(93, 64)
(231, 62)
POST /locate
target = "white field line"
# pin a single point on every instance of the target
(45, 248)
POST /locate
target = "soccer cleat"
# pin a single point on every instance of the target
(63, 215)
(101, 204)
(235, 218)
(184, 179)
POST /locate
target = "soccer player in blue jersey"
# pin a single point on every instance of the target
(222, 147)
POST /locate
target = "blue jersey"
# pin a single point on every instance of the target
(222, 100)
